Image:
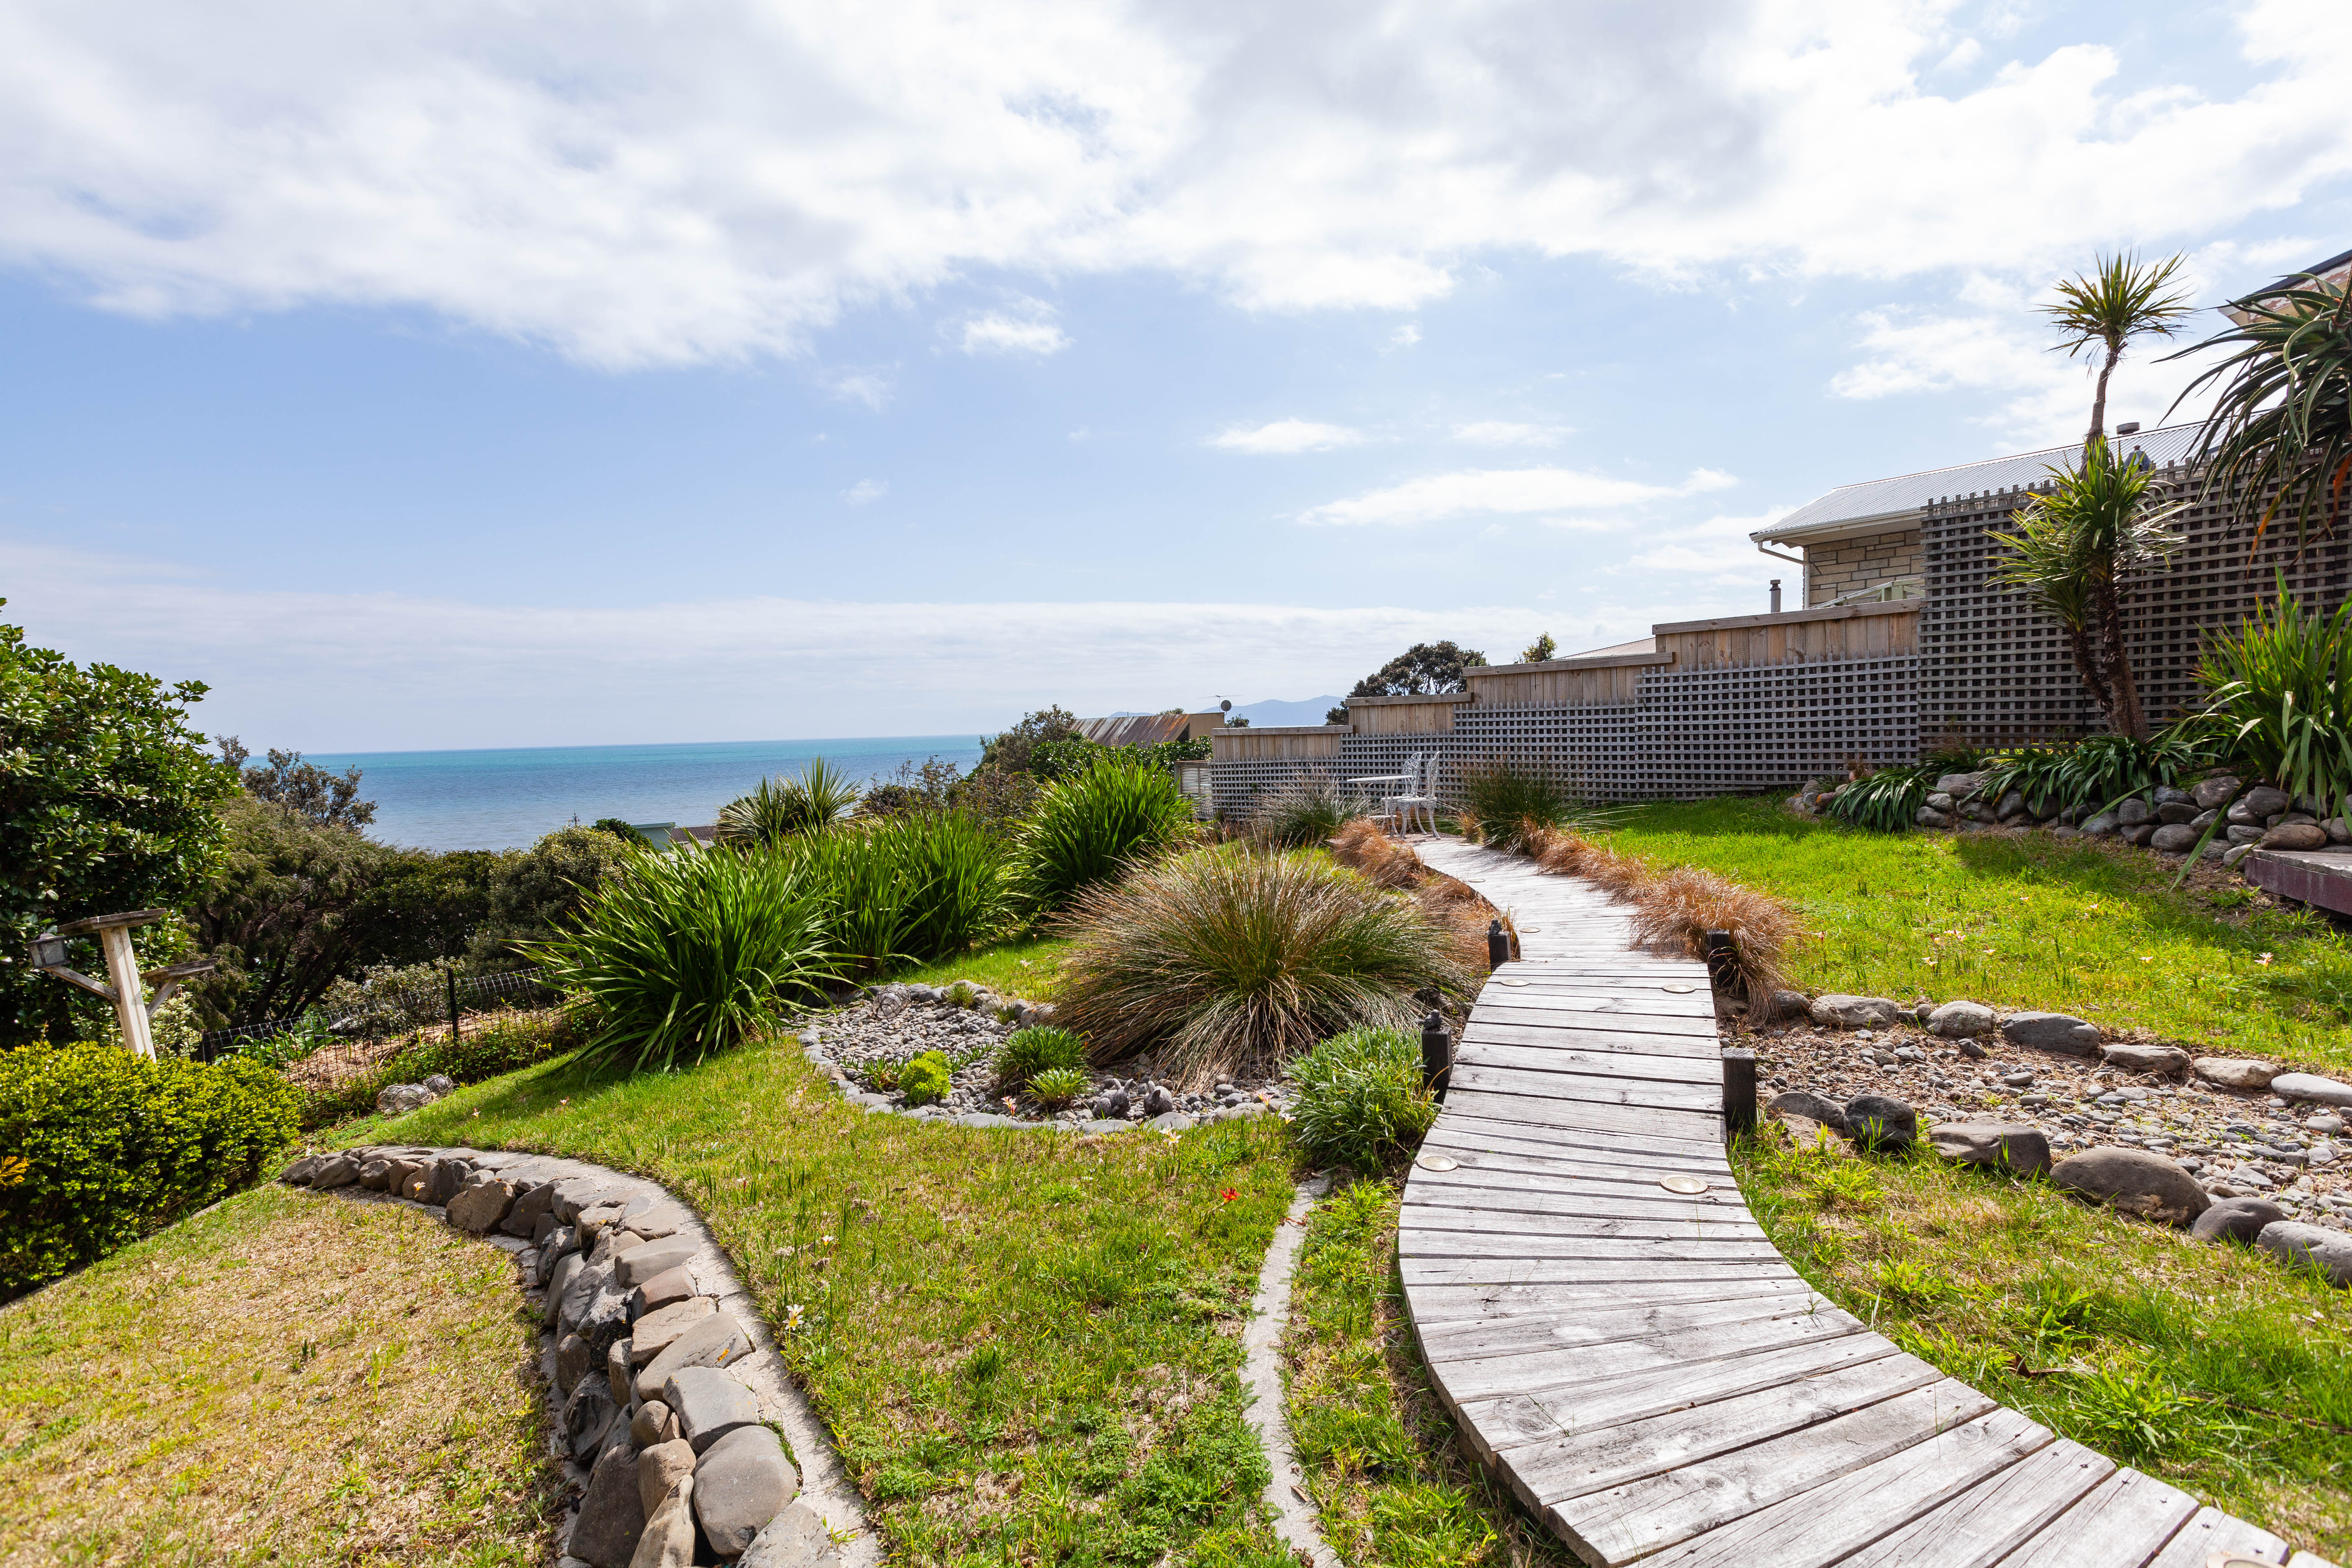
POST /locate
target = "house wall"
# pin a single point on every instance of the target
(1850, 565)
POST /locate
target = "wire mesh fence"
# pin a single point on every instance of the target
(393, 1012)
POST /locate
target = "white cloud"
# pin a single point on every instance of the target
(1720, 551)
(1510, 491)
(870, 387)
(389, 671)
(651, 184)
(1031, 330)
(1286, 438)
(1405, 337)
(1505, 433)
(865, 491)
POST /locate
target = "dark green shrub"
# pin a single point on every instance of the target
(1887, 801)
(2278, 699)
(1357, 1099)
(927, 1078)
(1088, 828)
(1229, 957)
(687, 951)
(1028, 1052)
(100, 1147)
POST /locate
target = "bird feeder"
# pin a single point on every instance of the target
(132, 1006)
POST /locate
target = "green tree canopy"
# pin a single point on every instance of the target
(330, 800)
(1424, 670)
(106, 798)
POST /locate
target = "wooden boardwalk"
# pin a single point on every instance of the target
(1638, 1362)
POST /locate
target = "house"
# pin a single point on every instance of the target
(1150, 729)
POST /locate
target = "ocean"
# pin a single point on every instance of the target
(507, 799)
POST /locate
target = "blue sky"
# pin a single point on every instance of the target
(628, 373)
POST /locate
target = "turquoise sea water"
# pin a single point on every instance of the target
(505, 799)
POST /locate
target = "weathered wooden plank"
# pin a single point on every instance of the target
(1441, 1307)
(1480, 1339)
(1989, 1520)
(2214, 1531)
(1650, 1094)
(2125, 1522)
(1524, 1009)
(1543, 1223)
(1531, 1271)
(1666, 1126)
(1623, 1522)
(1555, 1055)
(1592, 1032)
(1421, 1242)
(1568, 1367)
(1581, 1153)
(1475, 1187)
(1581, 1462)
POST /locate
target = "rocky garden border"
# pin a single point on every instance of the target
(674, 1411)
(2215, 1200)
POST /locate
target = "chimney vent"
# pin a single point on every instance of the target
(2129, 427)
(1776, 595)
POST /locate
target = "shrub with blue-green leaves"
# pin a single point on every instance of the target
(100, 1147)
(1357, 1099)
(1025, 1053)
(927, 1078)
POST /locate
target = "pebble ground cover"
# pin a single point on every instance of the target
(2018, 920)
(1025, 1344)
(285, 1378)
(2216, 1370)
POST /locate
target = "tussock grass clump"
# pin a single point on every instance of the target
(1680, 907)
(1059, 1086)
(1226, 957)
(1360, 1099)
(1513, 803)
(689, 951)
(1303, 812)
(1362, 846)
(1088, 828)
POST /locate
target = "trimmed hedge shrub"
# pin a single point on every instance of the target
(98, 1147)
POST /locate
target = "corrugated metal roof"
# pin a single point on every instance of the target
(1135, 730)
(1886, 499)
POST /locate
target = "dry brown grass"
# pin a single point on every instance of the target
(1362, 846)
(1449, 902)
(289, 1377)
(1677, 908)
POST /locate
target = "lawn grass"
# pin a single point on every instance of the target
(2027, 921)
(1028, 968)
(2211, 1367)
(1027, 1344)
(1378, 1451)
(288, 1377)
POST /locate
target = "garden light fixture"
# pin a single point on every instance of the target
(1436, 1054)
(133, 1008)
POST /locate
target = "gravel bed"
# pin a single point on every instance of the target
(894, 1023)
(2236, 1143)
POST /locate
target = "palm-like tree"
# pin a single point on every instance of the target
(2284, 416)
(2101, 310)
(2073, 545)
(821, 796)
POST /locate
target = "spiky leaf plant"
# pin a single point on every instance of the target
(2278, 702)
(779, 809)
(1088, 828)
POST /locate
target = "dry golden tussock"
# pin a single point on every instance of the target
(1681, 907)
(1361, 845)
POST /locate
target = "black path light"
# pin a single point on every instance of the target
(132, 1006)
(1499, 945)
(1436, 1054)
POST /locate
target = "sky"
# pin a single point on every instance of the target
(453, 375)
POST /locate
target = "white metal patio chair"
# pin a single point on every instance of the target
(1420, 799)
(1377, 787)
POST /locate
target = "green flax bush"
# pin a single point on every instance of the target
(100, 1147)
(1086, 828)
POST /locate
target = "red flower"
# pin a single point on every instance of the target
(1229, 1195)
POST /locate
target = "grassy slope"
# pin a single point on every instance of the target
(2026, 922)
(1025, 1344)
(1394, 1487)
(1022, 969)
(286, 1378)
(2210, 1367)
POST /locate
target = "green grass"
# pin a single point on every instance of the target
(2029, 922)
(287, 1377)
(1028, 968)
(1378, 1451)
(1027, 1344)
(2211, 1367)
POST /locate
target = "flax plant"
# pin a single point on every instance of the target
(775, 810)
(2279, 698)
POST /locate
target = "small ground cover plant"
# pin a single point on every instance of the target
(1025, 1344)
(2025, 921)
(341, 1387)
(927, 1078)
(1380, 1456)
(1025, 1053)
(1227, 957)
(2208, 1366)
(1359, 1099)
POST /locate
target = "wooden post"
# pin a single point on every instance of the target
(129, 991)
(1738, 1092)
(452, 976)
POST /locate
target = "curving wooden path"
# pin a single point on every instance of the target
(1641, 1366)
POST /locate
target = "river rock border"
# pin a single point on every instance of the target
(668, 1394)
